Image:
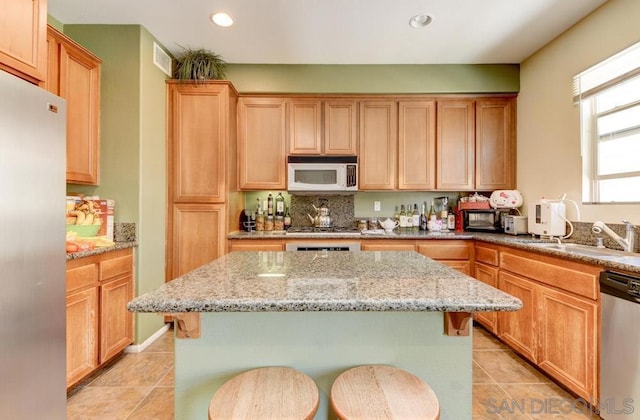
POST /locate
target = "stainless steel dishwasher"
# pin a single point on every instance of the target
(620, 346)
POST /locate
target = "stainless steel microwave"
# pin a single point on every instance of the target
(322, 173)
(489, 220)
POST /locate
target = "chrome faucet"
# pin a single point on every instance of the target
(627, 244)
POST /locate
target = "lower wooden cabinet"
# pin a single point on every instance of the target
(256, 245)
(518, 329)
(557, 328)
(388, 245)
(99, 326)
(457, 254)
(488, 275)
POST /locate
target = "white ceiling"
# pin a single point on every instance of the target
(343, 31)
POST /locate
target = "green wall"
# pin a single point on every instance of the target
(132, 146)
(442, 78)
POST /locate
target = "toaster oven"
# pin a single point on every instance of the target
(485, 220)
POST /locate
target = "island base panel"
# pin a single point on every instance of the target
(322, 345)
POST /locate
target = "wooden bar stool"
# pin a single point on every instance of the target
(266, 393)
(382, 392)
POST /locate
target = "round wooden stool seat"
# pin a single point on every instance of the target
(266, 393)
(382, 392)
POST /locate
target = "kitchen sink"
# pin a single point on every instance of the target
(592, 251)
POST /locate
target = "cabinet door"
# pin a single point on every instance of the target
(23, 34)
(305, 127)
(389, 245)
(82, 334)
(197, 236)
(417, 145)
(378, 145)
(518, 329)
(79, 83)
(495, 144)
(446, 249)
(569, 341)
(256, 245)
(488, 275)
(455, 145)
(197, 136)
(261, 143)
(340, 127)
(116, 322)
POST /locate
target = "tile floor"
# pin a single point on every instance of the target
(140, 386)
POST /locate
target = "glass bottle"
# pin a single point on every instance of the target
(280, 205)
(415, 219)
(432, 212)
(287, 219)
(396, 216)
(403, 219)
(451, 219)
(423, 218)
(269, 205)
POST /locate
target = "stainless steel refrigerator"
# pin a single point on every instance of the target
(32, 251)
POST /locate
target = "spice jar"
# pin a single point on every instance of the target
(373, 223)
(268, 223)
(362, 224)
(260, 222)
(278, 224)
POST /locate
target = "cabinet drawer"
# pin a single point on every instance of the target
(486, 254)
(580, 279)
(445, 250)
(115, 267)
(82, 276)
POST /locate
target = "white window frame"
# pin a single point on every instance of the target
(587, 85)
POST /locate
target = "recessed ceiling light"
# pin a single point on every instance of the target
(420, 21)
(222, 19)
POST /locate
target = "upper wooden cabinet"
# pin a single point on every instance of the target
(495, 167)
(318, 127)
(262, 143)
(74, 74)
(199, 126)
(378, 145)
(417, 145)
(455, 145)
(23, 34)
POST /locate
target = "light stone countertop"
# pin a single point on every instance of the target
(324, 281)
(101, 250)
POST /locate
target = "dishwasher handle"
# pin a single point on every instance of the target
(620, 285)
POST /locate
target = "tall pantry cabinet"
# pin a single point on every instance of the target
(201, 155)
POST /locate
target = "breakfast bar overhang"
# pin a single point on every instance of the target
(323, 313)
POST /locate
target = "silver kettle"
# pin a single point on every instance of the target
(322, 218)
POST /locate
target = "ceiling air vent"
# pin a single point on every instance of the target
(161, 59)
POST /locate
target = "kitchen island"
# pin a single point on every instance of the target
(322, 313)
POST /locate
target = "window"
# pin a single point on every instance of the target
(609, 98)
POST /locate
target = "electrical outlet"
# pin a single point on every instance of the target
(376, 206)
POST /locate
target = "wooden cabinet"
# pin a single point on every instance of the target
(203, 203)
(387, 245)
(495, 154)
(558, 327)
(340, 125)
(457, 254)
(455, 146)
(417, 145)
(256, 245)
(74, 74)
(305, 127)
(198, 127)
(518, 329)
(378, 145)
(262, 143)
(568, 349)
(486, 270)
(23, 34)
(197, 234)
(322, 127)
(99, 326)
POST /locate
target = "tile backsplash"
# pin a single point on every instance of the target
(582, 234)
(341, 209)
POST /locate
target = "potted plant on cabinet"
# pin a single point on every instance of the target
(199, 64)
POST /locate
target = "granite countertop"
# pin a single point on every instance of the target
(324, 281)
(524, 242)
(101, 250)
